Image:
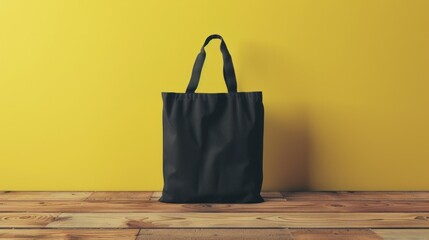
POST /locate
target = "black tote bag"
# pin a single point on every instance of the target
(212, 142)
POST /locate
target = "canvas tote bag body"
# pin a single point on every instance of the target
(212, 142)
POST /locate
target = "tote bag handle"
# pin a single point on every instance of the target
(228, 67)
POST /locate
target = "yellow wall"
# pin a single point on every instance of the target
(345, 88)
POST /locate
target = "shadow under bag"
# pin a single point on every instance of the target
(212, 142)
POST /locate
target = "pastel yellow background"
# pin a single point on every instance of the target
(345, 87)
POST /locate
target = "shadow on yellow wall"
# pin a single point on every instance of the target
(287, 152)
(287, 145)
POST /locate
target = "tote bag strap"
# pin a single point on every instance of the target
(228, 67)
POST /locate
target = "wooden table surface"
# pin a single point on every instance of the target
(284, 215)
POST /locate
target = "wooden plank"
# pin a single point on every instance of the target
(269, 206)
(82, 234)
(134, 206)
(114, 196)
(273, 196)
(266, 195)
(156, 196)
(356, 196)
(214, 234)
(403, 234)
(28, 220)
(43, 196)
(309, 196)
(333, 234)
(214, 220)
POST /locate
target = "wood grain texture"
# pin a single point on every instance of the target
(115, 196)
(214, 234)
(214, 220)
(297, 216)
(333, 234)
(82, 234)
(266, 195)
(272, 195)
(30, 220)
(268, 206)
(356, 196)
(403, 234)
(43, 196)
(156, 196)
